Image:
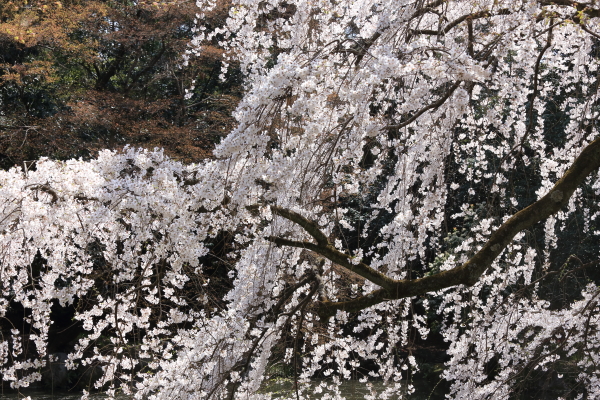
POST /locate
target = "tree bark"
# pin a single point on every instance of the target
(466, 274)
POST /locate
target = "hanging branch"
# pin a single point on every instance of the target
(466, 274)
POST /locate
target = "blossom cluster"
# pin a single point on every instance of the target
(429, 115)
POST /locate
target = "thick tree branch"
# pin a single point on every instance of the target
(470, 272)
(346, 261)
(309, 226)
(470, 38)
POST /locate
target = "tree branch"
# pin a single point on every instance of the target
(581, 7)
(46, 189)
(467, 17)
(436, 104)
(333, 254)
(470, 272)
(309, 226)
(536, 91)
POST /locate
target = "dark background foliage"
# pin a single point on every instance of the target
(79, 76)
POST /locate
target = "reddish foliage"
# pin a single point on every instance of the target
(80, 76)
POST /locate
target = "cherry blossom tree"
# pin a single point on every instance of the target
(479, 116)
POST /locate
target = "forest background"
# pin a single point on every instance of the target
(79, 76)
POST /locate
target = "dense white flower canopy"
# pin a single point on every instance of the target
(425, 114)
